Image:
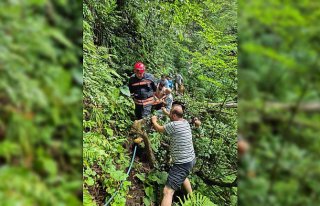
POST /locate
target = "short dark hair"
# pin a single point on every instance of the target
(179, 103)
(177, 112)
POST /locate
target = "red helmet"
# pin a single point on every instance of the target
(139, 66)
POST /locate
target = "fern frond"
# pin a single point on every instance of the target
(87, 199)
(196, 199)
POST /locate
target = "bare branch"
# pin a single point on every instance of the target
(226, 105)
(303, 107)
(209, 181)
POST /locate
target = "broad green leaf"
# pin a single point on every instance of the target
(90, 181)
(125, 91)
(141, 177)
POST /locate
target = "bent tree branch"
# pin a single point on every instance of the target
(209, 181)
(224, 105)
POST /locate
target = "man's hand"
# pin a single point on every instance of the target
(197, 122)
(154, 119)
(157, 127)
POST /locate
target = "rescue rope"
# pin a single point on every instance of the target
(133, 156)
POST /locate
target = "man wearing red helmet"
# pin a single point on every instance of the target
(142, 86)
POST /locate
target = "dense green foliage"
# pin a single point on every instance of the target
(40, 98)
(279, 63)
(196, 199)
(195, 38)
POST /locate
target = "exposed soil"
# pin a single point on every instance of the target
(97, 190)
(136, 190)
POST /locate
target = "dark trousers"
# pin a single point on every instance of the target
(157, 106)
(142, 111)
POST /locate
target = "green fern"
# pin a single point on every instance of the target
(94, 146)
(196, 199)
(87, 199)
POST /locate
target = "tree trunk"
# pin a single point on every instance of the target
(137, 129)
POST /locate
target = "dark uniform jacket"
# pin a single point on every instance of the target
(144, 88)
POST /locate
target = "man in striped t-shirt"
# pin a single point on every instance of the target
(182, 152)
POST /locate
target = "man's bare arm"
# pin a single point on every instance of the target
(164, 110)
(157, 126)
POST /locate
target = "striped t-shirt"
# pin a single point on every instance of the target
(181, 146)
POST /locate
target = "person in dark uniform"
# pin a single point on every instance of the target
(142, 87)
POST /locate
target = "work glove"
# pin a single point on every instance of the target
(138, 140)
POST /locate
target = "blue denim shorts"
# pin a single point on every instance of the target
(178, 173)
